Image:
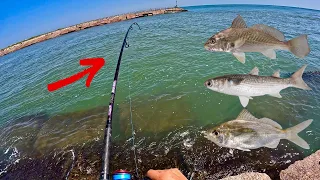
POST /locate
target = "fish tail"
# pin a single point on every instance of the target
(292, 134)
(299, 46)
(297, 79)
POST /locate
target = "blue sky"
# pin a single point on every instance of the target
(22, 19)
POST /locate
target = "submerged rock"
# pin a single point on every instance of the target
(308, 168)
(20, 134)
(71, 129)
(249, 176)
(156, 115)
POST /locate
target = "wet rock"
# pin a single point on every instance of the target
(78, 162)
(308, 168)
(53, 166)
(249, 176)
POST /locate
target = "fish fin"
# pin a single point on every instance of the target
(297, 79)
(243, 149)
(244, 100)
(273, 144)
(276, 95)
(269, 30)
(238, 22)
(276, 74)
(299, 46)
(245, 114)
(254, 71)
(270, 53)
(292, 134)
(238, 43)
(240, 56)
(270, 122)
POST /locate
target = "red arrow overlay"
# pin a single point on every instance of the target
(95, 63)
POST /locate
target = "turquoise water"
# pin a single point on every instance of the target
(165, 66)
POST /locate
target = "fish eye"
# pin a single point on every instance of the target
(209, 83)
(215, 132)
(232, 45)
(213, 40)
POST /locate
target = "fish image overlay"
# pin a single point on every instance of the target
(248, 132)
(239, 39)
(193, 105)
(248, 85)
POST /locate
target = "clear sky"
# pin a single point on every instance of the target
(22, 19)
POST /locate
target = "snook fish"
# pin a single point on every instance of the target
(249, 85)
(248, 132)
(239, 39)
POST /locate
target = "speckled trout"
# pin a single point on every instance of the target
(249, 85)
(239, 39)
(248, 132)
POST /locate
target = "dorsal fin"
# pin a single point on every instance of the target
(269, 30)
(270, 122)
(276, 74)
(254, 71)
(245, 114)
(238, 22)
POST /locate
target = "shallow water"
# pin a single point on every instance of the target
(165, 66)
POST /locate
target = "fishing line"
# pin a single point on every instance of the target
(132, 128)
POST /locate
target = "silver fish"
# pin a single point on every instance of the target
(249, 85)
(239, 39)
(248, 132)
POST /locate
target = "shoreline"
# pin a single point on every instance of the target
(85, 25)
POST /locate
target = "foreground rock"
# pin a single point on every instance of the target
(249, 176)
(308, 168)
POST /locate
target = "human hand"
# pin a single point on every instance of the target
(167, 174)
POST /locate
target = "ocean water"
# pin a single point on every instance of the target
(163, 71)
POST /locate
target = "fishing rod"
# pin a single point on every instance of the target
(105, 174)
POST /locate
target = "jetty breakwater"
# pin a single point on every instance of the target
(85, 25)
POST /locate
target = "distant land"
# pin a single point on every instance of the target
(85, 25)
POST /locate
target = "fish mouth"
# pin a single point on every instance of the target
(208, 48)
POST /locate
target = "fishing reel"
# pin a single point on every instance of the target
(124, 175)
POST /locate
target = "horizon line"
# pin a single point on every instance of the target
(296, 7)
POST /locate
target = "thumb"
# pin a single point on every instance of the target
(154, 174)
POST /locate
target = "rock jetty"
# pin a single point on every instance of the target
(308, 169)
(85, 25)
